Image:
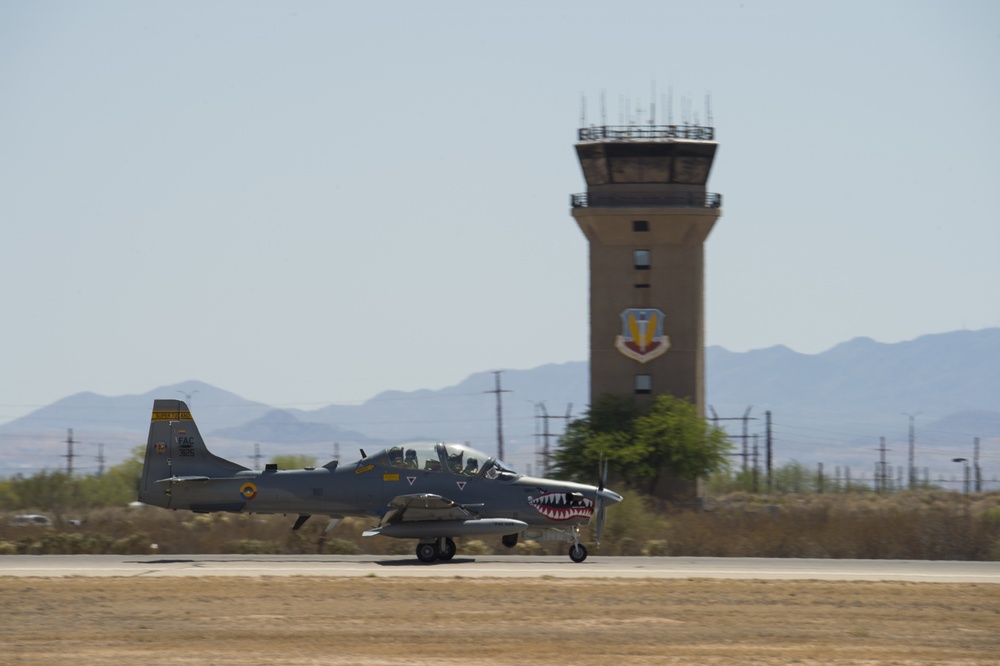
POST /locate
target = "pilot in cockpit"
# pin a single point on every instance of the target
(471, 467)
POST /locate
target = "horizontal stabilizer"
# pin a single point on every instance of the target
(182, 479)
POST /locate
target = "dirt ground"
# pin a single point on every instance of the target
(470, 621)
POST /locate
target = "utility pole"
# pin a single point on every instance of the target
(912, 477)
(975, 465)
(187, 396)
(745, 437)
(256, 456)
(100, 459)
(498, 391)
(546, 449)
(546, 452)
(746, 417)
(756, 476)
(69, 452)
(882, 478)
(767, 416)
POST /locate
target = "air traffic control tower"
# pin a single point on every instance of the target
(646, 215)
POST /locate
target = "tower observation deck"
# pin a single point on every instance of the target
(646, 215)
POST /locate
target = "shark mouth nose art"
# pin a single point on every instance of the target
(563, 506)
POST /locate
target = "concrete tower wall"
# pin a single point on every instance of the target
(646, 215)
(672, 283)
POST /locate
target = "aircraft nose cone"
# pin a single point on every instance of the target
(610, 497)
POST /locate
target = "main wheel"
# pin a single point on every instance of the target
(427, 552)
(577, 553)
(448, 551)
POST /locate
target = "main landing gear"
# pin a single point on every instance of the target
(443, 549)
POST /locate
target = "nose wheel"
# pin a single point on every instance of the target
(577, 552)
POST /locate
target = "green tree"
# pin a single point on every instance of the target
(116, 487)
(59, 492)
(44, 491)
(794, 477)
(641, 444)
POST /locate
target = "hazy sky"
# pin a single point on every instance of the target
(309, 202)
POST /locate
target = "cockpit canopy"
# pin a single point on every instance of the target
(457, 459)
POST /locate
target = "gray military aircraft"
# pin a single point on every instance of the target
(427, 491)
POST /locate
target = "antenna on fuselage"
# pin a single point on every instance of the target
(363, 454)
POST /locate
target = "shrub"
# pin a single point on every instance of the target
(135, 544)
(73, 543)
(250, 547)
(475, 547)
(340, 547)
(656, 548)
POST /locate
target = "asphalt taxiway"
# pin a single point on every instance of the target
(54, 566)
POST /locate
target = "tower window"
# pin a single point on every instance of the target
(640, 225)
(643, 384)
(640, 259)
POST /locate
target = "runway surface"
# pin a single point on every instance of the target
(499, 567)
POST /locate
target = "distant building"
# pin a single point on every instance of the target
(646, 214)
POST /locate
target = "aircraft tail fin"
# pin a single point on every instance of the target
(175, 450)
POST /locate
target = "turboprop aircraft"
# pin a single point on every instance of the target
(427, 491)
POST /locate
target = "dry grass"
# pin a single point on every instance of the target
(917, 525)
(467, 621)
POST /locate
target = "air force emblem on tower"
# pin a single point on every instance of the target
(642, 336)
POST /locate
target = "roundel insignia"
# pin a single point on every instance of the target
(161, 447)
(248, 490)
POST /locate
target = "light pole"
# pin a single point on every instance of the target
(966, 461)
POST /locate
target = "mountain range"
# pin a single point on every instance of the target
(832, 407)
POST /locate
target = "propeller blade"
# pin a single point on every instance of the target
(600, 525)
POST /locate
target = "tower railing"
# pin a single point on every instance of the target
(646, 132)
(688, 199)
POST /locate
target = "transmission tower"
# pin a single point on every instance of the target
(69, 452)
(498, 391)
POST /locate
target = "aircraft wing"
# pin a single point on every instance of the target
(433, 516)
(423, 507)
